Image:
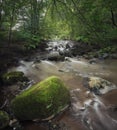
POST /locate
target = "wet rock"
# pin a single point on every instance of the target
(68, 53)
(93, 61)
(105, 55)
(67, 46)
(98, 85)
(55, 56)
(113, 56)
(15, 124)
(4, 119)
(59, 49)
(88, 102)
(86, 56)
(37, 60)
(65, 53)
(41, 100)
(93, 54)
(88, 94)
(13, 77)
(60, 70)
(67, 59)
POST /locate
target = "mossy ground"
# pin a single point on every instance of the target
(41, 100)
(4, 119)
(13, 77)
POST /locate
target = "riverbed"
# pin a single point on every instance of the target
(87, 110)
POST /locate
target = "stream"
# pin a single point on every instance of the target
(87, 111)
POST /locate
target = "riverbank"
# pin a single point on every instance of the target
(11, 54)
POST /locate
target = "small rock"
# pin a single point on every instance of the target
(67, 59)
(87, 93)
(61, 70)
(113, 56)
(55, 56)
(105, 55)
(67, 46)
(13, 122)
(93, 61)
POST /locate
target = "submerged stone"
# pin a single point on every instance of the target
(13, 77)
(4, 119)
(42, 100)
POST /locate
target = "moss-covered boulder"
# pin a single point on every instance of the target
(4, 119)
(13, 77)
(41, 100)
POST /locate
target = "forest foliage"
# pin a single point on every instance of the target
(84, 20)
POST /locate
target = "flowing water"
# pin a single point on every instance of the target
(87, 111)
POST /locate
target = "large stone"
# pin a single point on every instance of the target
(13, 77)
(99, 85)
(4, 119)
(55, 56)
(41, 100)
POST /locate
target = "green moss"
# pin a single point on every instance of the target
(41, 100)
(13, 77)
(4, 119)
(108, 49)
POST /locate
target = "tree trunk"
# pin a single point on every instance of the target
(34, 17)
(10, 27)
(113, 18)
